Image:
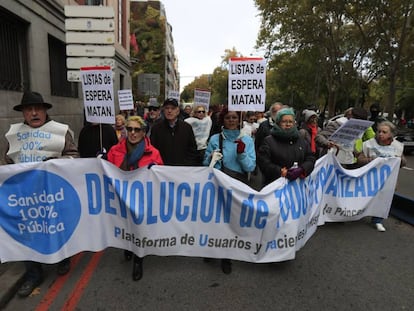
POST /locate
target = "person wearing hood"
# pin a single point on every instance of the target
(285, 153)
(310, 129)
(231, 152)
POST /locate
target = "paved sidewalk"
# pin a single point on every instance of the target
(11, 276)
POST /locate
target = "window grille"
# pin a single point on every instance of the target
(14, 74)
(59, 84)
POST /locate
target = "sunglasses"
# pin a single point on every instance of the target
(135, 129)
(153, 108)
(201, 111)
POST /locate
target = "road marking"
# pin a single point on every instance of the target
(408, 168)
(57, 285)
(80, 286)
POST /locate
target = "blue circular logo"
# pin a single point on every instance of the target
(39, 209)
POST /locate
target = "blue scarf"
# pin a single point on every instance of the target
(134, 153)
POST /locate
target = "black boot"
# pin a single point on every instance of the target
(32, 278)
(137, 268)
(226, 266)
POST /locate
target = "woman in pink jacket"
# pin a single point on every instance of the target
(133, 152)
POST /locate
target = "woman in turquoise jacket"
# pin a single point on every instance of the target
(232, 153)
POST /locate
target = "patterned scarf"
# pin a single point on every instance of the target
(133, 155)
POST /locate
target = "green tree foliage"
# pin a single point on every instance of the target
(149, 28)
(352, 42)
(386, 32)
(217, 82)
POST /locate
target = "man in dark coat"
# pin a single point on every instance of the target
(174, 138)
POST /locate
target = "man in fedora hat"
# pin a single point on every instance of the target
(53, 140)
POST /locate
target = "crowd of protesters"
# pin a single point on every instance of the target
(244, 145)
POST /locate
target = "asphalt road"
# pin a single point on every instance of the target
(344, 266)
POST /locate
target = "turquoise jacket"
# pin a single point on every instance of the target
(243, 163)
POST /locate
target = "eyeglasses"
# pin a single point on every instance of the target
(201, 111)
(287, 122)
(135, 129)
(153, 108)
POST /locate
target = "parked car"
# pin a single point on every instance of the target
(406, 136)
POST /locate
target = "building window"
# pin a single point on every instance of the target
(14, 73)
(59, 84)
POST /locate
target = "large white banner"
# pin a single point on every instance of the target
(55, 209)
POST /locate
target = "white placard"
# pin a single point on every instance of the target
(247, 84)
(202, 97)
(174, 94)
(350, 131)
(126, 100)
(98, 94)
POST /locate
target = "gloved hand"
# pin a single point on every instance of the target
(215, 157)
(240, 146)
(151, 165)
(294, 173)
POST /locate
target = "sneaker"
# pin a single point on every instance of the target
(28, 286)
(63, 266)
(380, 227)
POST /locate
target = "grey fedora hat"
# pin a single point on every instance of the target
(31, 98)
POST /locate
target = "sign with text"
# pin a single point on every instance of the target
(202, 97)
(174, 94)
(89, 32)
(98, 94)
(350, 131)
(126, 100)
(48, 210)
(247, 84)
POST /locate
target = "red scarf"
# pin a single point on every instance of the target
(314, 130)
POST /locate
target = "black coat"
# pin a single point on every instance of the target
(89, 142)
(177, 144)
(274, 154)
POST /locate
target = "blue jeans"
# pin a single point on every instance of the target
(376, 220)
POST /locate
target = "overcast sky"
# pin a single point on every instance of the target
(203, 29)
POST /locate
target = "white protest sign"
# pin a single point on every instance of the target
(247, 84)
(126, 101)
(174, 94)
(350, 131)
(202, 97)
(98, 94)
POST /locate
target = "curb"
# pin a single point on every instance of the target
(11, 279)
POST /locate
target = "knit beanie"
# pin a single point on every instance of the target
(283, 112)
